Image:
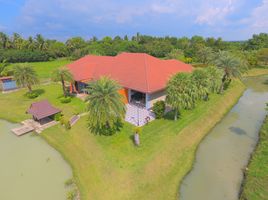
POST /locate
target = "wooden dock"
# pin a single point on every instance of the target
(22, 130)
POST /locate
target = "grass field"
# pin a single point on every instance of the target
(256, 72)
(14, 105)
(44, 69)
(111, 167)
(256, 180)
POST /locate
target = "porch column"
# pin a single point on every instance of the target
(129, 95)
(147, 101)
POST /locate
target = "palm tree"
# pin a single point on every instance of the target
(201, 80)
(105, 106)
(231, 66)
(3, 40)
(62, 75)
(181, 92)
(3, 65)
(214, 78)
(41, 42)
(25, 76)
(205, 55)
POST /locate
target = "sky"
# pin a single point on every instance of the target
(62, 19)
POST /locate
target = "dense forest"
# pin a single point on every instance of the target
(196, 49)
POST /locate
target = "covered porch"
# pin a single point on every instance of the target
(138, 98)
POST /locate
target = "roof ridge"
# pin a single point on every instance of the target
(145, 66)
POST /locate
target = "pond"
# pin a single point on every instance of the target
(221, 157)
(30, 168)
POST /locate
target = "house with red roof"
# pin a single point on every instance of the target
(143, 77)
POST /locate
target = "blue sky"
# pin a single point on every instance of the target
(61, 19)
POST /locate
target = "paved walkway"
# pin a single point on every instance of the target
(138, 116)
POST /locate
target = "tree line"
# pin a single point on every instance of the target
(196, 49)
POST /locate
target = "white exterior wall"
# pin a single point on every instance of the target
(156, 96)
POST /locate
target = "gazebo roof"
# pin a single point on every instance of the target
(42, 109)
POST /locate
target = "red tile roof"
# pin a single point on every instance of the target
(5, 78)
(42, 109)
(137, 71)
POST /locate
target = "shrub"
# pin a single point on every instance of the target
(65, 99)
(32, 95)
(71, 195)
(16, 56)
(67, 124)
(69, 182)
(159, 109)
(137, 129)
(62, 121)
(57, 117)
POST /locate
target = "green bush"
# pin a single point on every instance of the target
(69, 182)
(62, 121)
(16, 56)
(57, 117)
(137, 129)
(32, 95)
(159, 109)
(65, 99)
(67, 124)
(71, 195)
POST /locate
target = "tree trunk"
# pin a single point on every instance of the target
(223, 82)
(29, 88)
(137, 139)
(63, 86)
(176, 115)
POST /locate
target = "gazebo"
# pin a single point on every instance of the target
(42, 111)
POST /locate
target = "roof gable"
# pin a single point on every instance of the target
(42, 109)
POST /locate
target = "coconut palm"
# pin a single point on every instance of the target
(231, 66)
(181, 93)
(105, 106)
(62, 75)
(25, 76)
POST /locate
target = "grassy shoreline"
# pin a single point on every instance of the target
(161, 166)
(255, 181)
(256, 72)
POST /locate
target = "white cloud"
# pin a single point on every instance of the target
(213, 12)
(257, 21)
(259, 17)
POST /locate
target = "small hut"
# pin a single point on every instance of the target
(42, 111)
(7, 83)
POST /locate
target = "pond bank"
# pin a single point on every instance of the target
(221, 157)
(255, 182)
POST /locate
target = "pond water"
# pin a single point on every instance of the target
(29, 168)
(221, 157)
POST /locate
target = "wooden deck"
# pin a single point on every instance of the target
(22, 130)
(31, 125)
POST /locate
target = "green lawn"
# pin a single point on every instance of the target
(257, 72)
(111, 167)
(14, 105)
(256, 182)
(44, 69)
